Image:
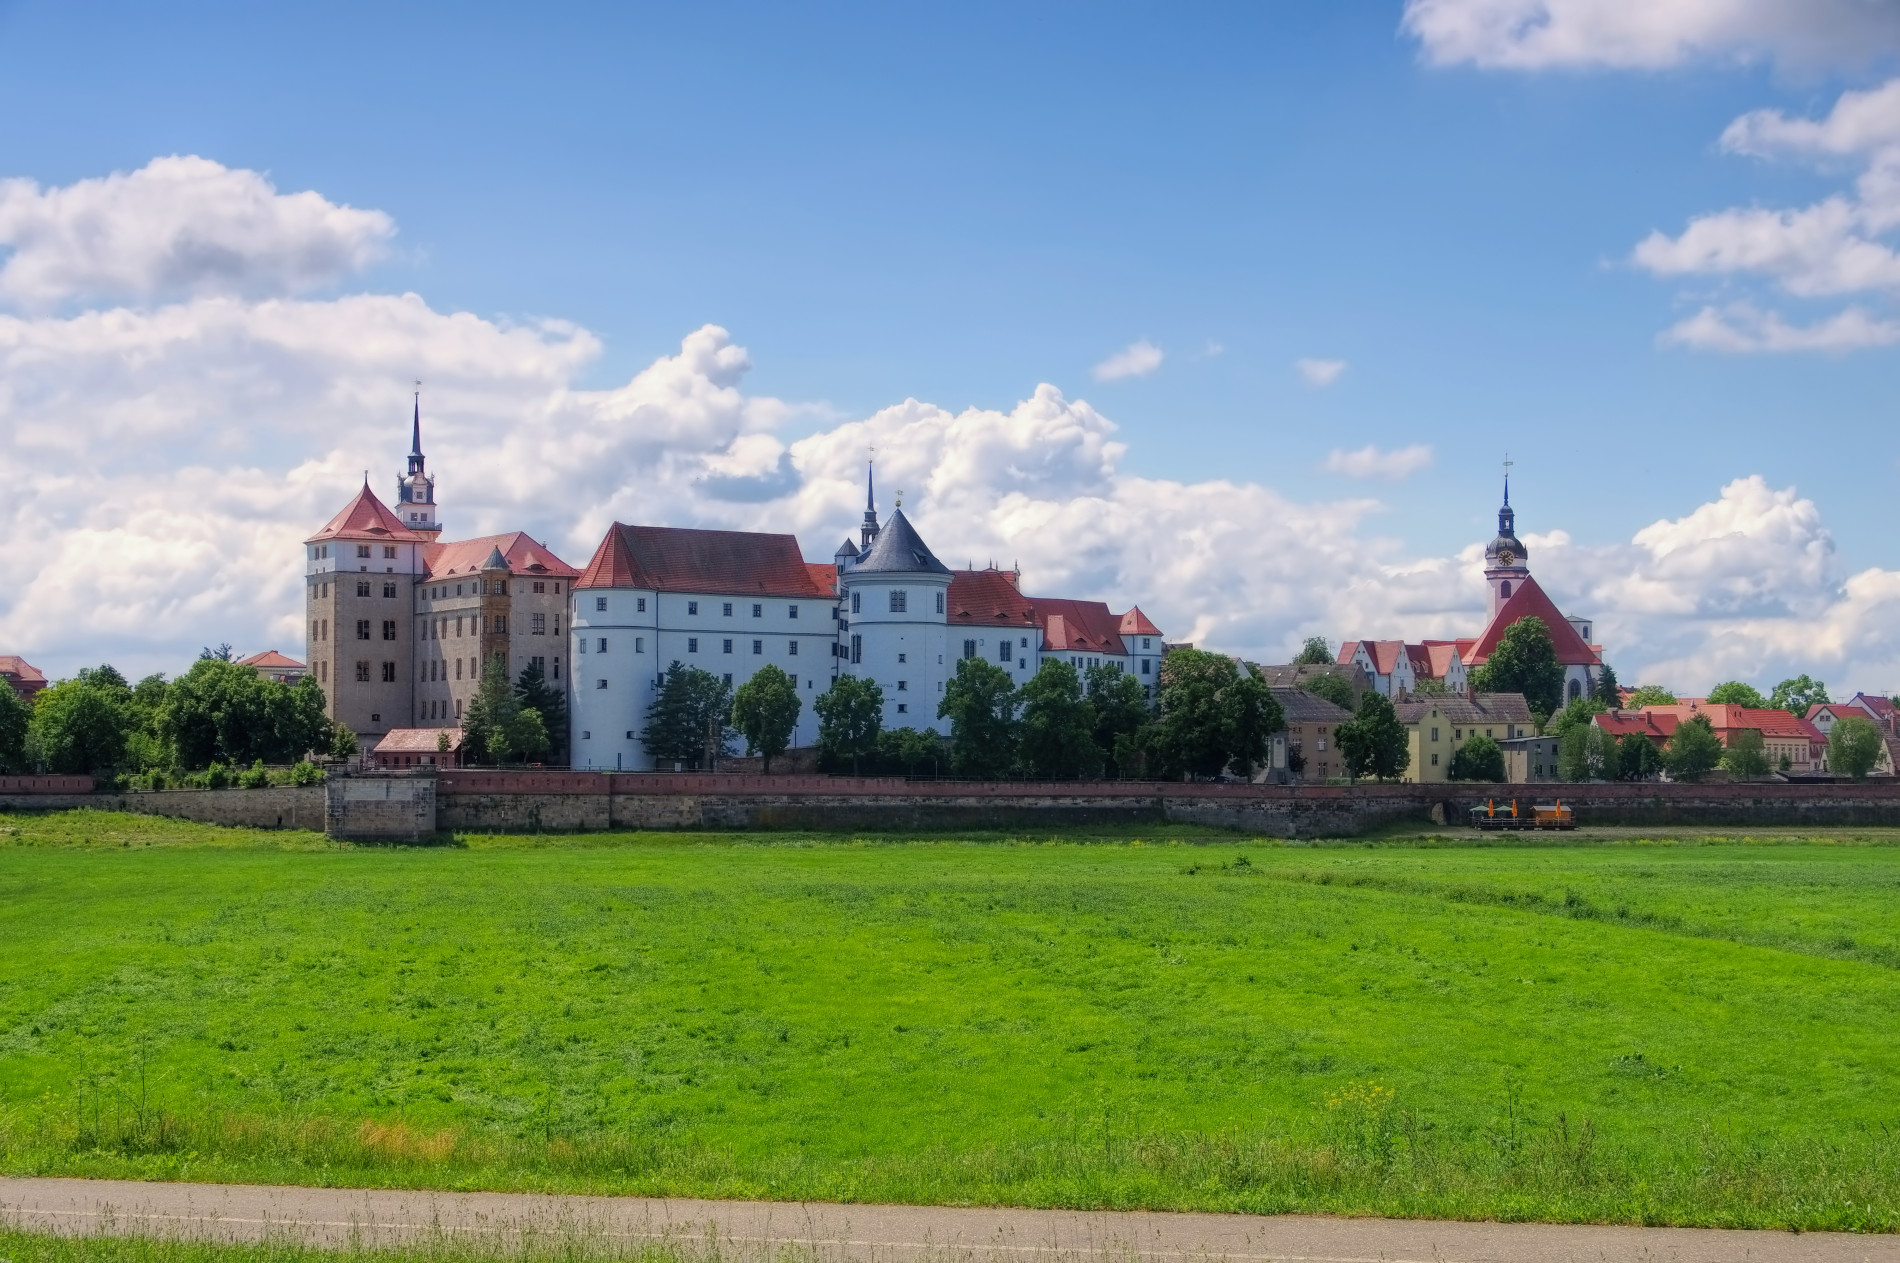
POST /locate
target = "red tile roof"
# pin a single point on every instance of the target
(416, 740)
(1135, 623)
(525, 557)
(1623, 723)
(1384, 654)
(1079, 626)
(988, 598)
(1528, 600)
(1440, 655)
(366, 517)
(21, 670)
(673, 559)
(1726, 717)
(824, 574)
(270, 659)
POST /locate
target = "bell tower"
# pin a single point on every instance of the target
(1506, 564)
(415, 490)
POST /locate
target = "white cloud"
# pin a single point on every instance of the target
(1137, 359)
(1742, 328)
(1320, 374)
(167, 461)
(179, 225)
(1372, 462)
(1649, 34)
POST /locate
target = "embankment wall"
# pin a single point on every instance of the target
(274, 807)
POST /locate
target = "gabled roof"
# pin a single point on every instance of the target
(1298, 706)
(824, 574)
(1385, 654)
(1440, 656)
(21, 670)
(1135, 623)
(898, 549)
(1456, 708)
(674, 559)
(519, 552)
(1881, 708)
(417, 740)
(270, 660)
(988, 598)
(1624, 723)
(1726, 717)
(1529, 600)
(366, 517)
(1079, 627)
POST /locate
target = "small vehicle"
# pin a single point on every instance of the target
(1493, 815)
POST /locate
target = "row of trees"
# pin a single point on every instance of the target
(1211, 715)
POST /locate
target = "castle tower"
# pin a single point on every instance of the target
(415, 490)
(1506, 565)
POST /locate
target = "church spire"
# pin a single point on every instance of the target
(870, 528)
(415, 490)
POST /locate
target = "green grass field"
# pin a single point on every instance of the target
(1684, 1030)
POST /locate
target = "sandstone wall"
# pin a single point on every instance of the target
(275, 807)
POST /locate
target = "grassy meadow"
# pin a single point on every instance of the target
(1673, 1030)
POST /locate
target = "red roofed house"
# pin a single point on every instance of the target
(21, 676)
(1784, 736)
(728, 602)
(1017, 632)
(1824, 715)
(275, 666)
(402, 626)
(419, 747)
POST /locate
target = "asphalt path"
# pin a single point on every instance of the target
(333, 1217)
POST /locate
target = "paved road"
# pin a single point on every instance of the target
(876, 1234)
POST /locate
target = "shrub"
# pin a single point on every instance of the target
(304, 773)
(254, 777)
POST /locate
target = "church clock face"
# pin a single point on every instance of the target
(1507, 557)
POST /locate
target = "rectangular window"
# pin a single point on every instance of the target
(1434, 760)
(857, 648)
(537, 624)
(458, 668)
(640, 605)
(1434, 736)
(389, 629)
(692, 607)
(600, 684)
(600, 605)
(727, 648)
(362, 550)
(362, 673)
(1457, 734)
(939, 602)
(903, 708)
(791, 611)
(758, 646)
(389, 590)
(600, 645)
(791, 648)
(903, 657)
(903, 686)
(1145, 664)
(362, 587)
(854, 601)
(389, 673)
(458, 708)
(362, 629)
(540, 585)
(1004, 652)
(1145, 644)
(758, 611)
(728, 610)
(557, 666)
(727, 679)
(389, 552)
(900, 601)
(692, 644)
(969, 649)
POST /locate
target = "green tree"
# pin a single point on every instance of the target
(15, 718)
(1650, 695)
(1332, 686)
(1121, 711)
(1694, 750)
(1317, 651)
(1479, 759)
(488, 724)
(980, 703)
(79, 727)
(535, 693)
(1524, 661)
(222, 712)
(911, 751)
(1214, 716)
(1747, 755)
(1374, 742)
(344, 744)
(1797, 694)
(1056, 734)
(765, 711)
(690, 721)
(850, 715)
(1606, 685)
(1637, 758)
(1736, 693)
(1853, 747)
(1587, 753)
(1577, 712)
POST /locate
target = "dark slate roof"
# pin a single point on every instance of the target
(898, 550)
(1485, 708)
(1301, 707)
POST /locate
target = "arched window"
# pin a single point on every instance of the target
(1576, 690)
(1505, 590)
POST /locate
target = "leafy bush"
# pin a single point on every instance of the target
(304, 773)
(254, 777)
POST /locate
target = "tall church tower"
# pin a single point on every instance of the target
(1505, 564)
(415, 491)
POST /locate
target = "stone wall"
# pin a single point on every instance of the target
(380, 808)
(275, 807)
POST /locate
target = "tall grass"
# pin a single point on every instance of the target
(1367, 1154)
(556, 1245)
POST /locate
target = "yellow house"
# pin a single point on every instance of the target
(1438, 726)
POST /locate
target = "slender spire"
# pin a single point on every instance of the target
(415, 440)
(870, 528)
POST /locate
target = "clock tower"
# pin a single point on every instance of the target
(1505, 564)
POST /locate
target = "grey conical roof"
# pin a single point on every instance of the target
(847, 549)
(898, 550)
(495, 560)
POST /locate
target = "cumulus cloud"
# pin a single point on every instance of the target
(1320, 374)
(1832, 248)
(167, 460)
(1373, 462)
(1137, 359)
(1649, 35)
(178, 226)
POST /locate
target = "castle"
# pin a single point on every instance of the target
(402, 627)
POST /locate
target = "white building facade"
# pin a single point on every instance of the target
(894, 622)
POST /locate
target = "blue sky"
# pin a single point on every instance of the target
(954, 205)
